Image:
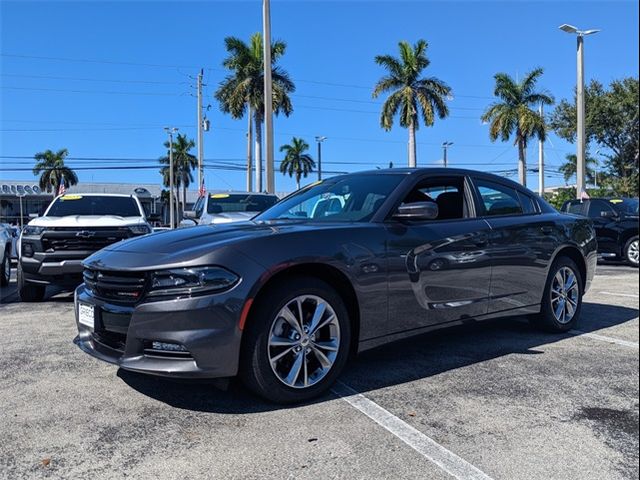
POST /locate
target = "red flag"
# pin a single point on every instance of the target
(61, 189)
(202, 191)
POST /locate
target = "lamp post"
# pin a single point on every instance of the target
(580, 143)
(171, 131)
(320, 139)
(445, 146)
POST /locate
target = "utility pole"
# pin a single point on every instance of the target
(320, 139)
(541, 160)
(445, 147)
(249, 163)
(268, 96)
(200, 133)
(171, 131)
(581, 134)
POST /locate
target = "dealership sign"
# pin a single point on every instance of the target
(20, 189)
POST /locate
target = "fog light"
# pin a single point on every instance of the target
(168, 347)
(27, 249)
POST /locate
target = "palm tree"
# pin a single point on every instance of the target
(515, 113)
(411, 95)
(52, 170)
(244, 88)
(569, 168)
(183, 164)
(296, 161)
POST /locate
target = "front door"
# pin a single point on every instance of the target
(439, 270)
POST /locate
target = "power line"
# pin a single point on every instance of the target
(80, 79)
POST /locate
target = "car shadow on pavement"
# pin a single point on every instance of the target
(404, 361)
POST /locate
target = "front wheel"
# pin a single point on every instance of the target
(29, 292)
(631, 252)
(562, 298)
(296, 341)
(5, 269)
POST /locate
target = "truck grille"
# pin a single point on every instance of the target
(125, 287)
(82, 239)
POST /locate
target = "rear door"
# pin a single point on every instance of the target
(439, 270)
(521, 244)
(605, 220)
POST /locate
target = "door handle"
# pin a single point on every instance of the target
(547, 230)
(480, 240)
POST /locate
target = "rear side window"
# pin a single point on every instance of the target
(498, 199)
(93, 205)
(528, 204)
(575, 208)
(597, 208)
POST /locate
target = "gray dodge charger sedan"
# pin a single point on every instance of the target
(336, 268)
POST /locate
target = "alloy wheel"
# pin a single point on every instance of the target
(7, 267)
(565, 294)
(632, 253)
(304, 341)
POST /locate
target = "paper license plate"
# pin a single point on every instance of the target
(86, 315)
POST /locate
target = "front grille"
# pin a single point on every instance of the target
(124, 287)
(89, 239)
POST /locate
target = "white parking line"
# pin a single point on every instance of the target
(629, 295)
(603, 338)
(428, 448)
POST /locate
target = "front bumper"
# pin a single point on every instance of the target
(206, 326)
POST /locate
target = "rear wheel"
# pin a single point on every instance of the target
(296, 341)
(562, 298)
(5, 268)
(29, 292)
(631, 252)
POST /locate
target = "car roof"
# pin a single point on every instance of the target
(122, 195)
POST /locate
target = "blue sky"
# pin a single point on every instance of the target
(112, 74)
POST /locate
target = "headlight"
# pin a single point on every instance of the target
(32, 230)
(191, 281)
(140, 229)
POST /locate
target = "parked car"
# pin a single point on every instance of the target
(616, 223)
(284, 299)
(52, 247)
(6, 245)
(227, 208)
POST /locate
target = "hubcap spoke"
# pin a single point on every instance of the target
(322, 358)
(291, 319)
(565, 295)
(317, 316)
(282, 342)
(295, 369)
(329, 346)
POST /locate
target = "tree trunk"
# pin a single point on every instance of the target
(184, 198)
(522, 163)
(298, 180)
(412, 146)
(258, 153)
(249, 162)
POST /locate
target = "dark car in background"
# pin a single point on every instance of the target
(339, 267)
(616, 223)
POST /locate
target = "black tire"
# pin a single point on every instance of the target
(630, 251)
(29, 292)
(5, 269)
(255, 366)
(546, 319)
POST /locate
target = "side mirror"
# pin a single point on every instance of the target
(189, 214)
(608, 214)
(187, 222)
(417, 211)
(33, 215)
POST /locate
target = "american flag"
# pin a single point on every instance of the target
(61, 189)
(584, 195)
(202, 191)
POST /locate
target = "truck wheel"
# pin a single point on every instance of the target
(29, 292)
(562, 298)
(631, 253)
(296, 341)
(5, 269)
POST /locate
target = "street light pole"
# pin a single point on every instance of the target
(268, 96)
(445, 146)
(200, 134)
(171, 131)
(320, 139)
(580, 134)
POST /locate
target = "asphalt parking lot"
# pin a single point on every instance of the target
(496, 400)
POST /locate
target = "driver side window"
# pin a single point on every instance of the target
(446, 192)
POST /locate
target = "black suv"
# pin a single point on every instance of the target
(616, 224)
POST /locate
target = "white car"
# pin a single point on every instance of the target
(6, 241)
(227, 208)
(52, 247)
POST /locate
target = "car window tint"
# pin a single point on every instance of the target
(447, 193)
(498, 199)
(575, 208)
(597, 207)
(229, 202)
(199, 206)
(528, 204)
(93, 205)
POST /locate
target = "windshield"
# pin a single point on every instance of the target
(345, 199)
(626, 206)
(93, 205)
(229, 202)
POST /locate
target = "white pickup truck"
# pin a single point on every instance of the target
(53, 246)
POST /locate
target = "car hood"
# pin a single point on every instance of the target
(183, 245)
(87, 221)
